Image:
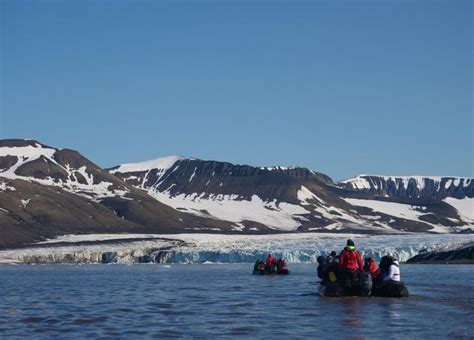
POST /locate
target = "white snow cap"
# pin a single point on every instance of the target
(30, 152)
(24, 154)
(163, 163)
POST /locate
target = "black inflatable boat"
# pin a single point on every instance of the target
(364, 288)
(265, 272)
(260, 268)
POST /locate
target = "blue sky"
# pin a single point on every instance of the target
(342, 87)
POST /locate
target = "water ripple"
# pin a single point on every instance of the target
(222, 301)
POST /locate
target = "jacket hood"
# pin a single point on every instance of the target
(350, 248)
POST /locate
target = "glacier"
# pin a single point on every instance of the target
(218, 248)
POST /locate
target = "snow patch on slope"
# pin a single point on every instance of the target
(164, 164)
(465, 207)
(24, 154)
(305, 195)
(405, 211)
(278, 215)
(4, 187)
(25, 203)
(343, 217)
(277, 168)
(402, 211)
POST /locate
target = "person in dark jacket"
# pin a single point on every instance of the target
(332, 258)
(333, 266)
(382, 272)
(350, 264)
(259, 265)
(322, 267)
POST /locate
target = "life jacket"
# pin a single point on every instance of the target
(270, 261)
(369, 266)
(332, 277)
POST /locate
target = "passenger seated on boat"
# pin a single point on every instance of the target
(332, 258)
(270, 264)
(393, 274)
(281, 264)
(383, 271)
(259, 265)
(322, 267)
(369, 265)
(270, 260)
(350, 264)
(332, 265)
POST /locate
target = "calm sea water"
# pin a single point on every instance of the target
(204, 301)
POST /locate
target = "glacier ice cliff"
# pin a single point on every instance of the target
(200, 248)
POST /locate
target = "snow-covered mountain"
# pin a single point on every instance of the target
(47, 192)
(289, 199)
(253, 198)
(67, 169)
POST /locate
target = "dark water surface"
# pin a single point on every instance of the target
(204, 301)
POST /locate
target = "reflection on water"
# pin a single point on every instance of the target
(224, 300)
(352, 312)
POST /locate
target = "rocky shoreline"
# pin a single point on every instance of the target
(463, 254)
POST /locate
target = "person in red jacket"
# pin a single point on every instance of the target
(270, 260)
(270, 264)
(350, 263)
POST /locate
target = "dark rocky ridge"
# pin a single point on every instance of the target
(462, 254)
(222, 178)
(8, 143)
(405, 188)
(7, 161)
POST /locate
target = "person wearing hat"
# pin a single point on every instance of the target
(350, 263)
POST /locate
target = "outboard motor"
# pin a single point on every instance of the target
(365, 283)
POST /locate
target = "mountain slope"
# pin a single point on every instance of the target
(34, 162)
(250, 197)
(45, 192)
(293, 198)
